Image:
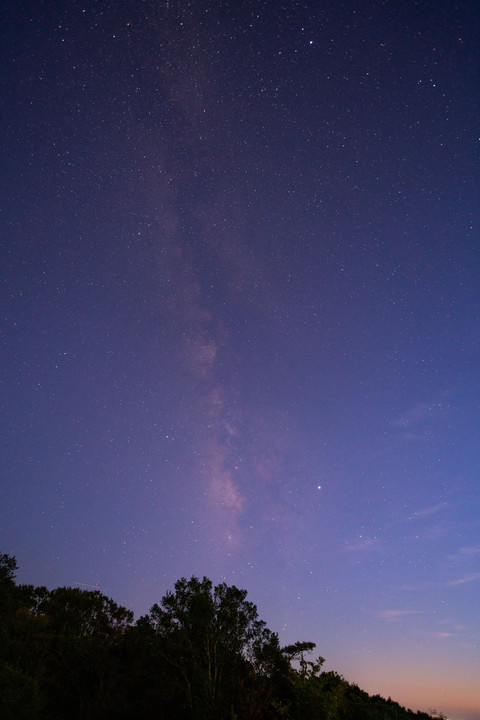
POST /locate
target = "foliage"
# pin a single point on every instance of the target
(217, 649)
(202, 653)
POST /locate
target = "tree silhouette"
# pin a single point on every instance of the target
(215, 644)
(202, 653)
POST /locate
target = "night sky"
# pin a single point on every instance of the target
(240, 318)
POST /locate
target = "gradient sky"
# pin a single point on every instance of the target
(241, 318)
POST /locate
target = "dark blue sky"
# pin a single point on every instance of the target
(240, 318)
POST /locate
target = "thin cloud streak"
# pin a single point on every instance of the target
(466, 579)
(432, 510)
(391, 615)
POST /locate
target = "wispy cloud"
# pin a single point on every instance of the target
(465, 554)
(441, 635)
(417, 422)
(391, 615)
(450, 628)
(362, 544)
(413, 416)
(465, 579)
(454, 626)
(425, 512)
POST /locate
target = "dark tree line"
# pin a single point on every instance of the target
(201, 654)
